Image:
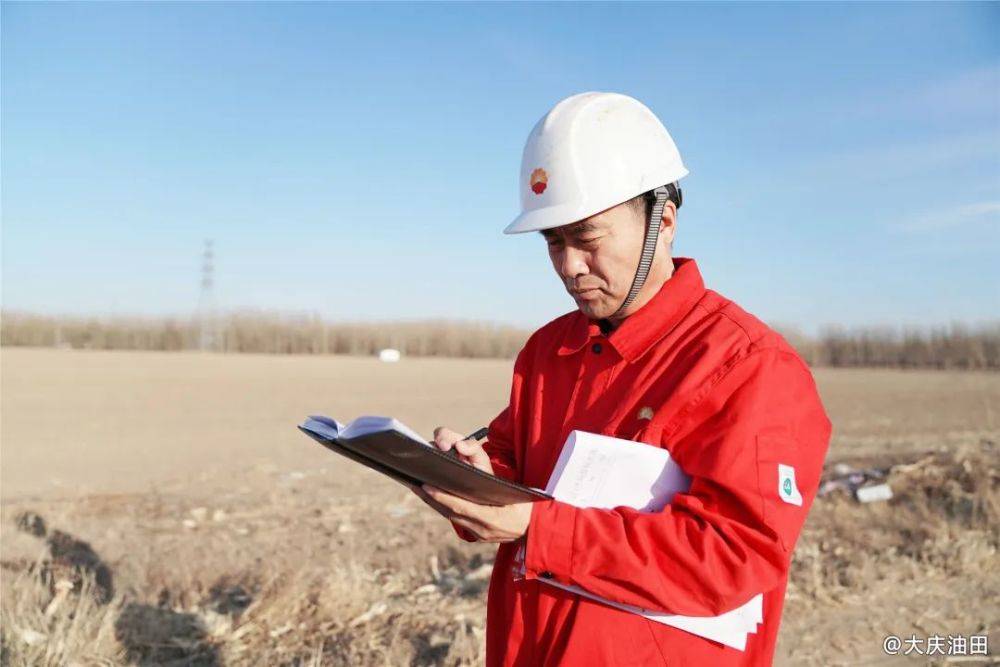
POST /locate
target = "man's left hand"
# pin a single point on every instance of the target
(488, 523)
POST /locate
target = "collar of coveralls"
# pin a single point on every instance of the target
(642, 329)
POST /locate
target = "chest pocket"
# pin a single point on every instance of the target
(645, 419)
(638, 429)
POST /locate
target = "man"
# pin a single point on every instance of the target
(649, 355)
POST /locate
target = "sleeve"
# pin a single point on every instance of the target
(500, 442)
(753, 445)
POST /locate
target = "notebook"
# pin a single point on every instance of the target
(394, 449)
(601, 471)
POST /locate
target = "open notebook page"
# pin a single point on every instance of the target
(332, 429)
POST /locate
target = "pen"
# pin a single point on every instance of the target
(478, 434)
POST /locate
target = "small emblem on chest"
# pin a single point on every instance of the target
(646, 413)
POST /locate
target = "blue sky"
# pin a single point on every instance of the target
(360, 161)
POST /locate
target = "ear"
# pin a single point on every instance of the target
(668, 222)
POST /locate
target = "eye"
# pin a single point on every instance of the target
(589, 242)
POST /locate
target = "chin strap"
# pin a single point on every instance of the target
(660, 195)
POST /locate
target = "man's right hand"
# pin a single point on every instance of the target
(469, 451)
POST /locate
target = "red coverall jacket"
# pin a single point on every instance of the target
(731, 401)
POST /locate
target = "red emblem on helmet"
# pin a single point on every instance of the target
(539, 181)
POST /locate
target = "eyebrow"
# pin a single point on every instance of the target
(576, 229)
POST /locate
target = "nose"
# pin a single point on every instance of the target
(572, 263)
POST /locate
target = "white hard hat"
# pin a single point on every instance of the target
(591, 152)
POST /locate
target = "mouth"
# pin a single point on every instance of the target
(585, 294)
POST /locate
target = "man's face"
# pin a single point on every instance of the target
(596, 258)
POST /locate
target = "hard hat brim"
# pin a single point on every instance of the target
(547, 218)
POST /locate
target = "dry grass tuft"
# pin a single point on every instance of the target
(41, 625)
(229, 588)
(944, 516)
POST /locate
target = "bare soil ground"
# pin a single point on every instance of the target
(202, 528)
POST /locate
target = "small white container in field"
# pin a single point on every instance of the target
(873, 494)
(389, 355)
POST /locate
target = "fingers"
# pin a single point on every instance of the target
(473, 452)
(474, 527)
(433, 504)
(456, 505)
(470, 451)
(482, 521)
(469, 523)
(445, 438)
(447, 505)
(442, 503)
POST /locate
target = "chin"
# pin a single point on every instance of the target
(594, 311)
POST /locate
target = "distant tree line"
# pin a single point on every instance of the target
(952, 347)
(956, 346)
(264, 333)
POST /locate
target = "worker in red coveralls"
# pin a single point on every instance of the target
(649, 355)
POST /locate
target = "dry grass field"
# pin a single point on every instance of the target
(161, 508)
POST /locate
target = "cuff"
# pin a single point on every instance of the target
(503, 470)
(549, 547)
(502, 466)
(463, 533)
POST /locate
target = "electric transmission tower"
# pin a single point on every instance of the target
(208, 322)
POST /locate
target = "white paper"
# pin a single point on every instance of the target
(323, 426)
(374, 424)
(332, 429)
(600, 471)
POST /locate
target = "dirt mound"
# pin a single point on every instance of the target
(920, 564)
(944, 515)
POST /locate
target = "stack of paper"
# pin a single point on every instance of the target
(600, 471)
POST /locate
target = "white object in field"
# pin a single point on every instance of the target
(872, 494)
(388, 354)
(601, 471)
(591, 152)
